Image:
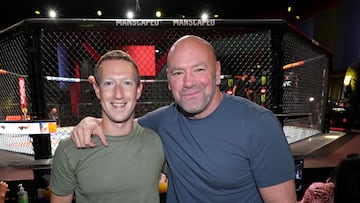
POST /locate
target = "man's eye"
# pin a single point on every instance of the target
(128, 83)
(177, 73)
(199, 69)
(108, 83)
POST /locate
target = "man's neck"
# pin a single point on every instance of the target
(210, 109)
(117, 129)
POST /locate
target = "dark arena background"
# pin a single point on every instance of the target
(45, 63)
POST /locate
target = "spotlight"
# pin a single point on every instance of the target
(130, 14)
(204, 16)
(158, 14)
(52, 14)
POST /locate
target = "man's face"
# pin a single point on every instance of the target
(117, 90)
(192, 77)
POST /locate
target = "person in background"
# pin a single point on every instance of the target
(212, 157)
(347, 180)
(239, 86)
(343, 185)
(3, 190)
(252, 89)
(319, 192)
(126, 171)
(53, 115)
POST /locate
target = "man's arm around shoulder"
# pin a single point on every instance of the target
(82, 133)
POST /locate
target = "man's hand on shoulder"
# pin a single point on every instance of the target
(83, 132)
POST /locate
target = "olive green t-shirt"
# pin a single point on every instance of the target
(126, 171)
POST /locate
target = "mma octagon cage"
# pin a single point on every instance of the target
(52, 59)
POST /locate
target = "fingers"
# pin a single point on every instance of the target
(320, 192)
(91, 79)
(163, 178)
(98, 132)
(4, 187)
(83, 132)
(81, 136)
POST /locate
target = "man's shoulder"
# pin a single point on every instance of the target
(65, 148)
(166, 108)
(160, 112)
(66, 143)
(148, 135)
(244, 106)
(240, 102)
(141, 130)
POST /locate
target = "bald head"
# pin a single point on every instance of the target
(194, 43)
(191, 39)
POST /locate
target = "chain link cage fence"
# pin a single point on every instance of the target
(55, 57)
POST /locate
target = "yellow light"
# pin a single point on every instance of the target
(297, 17)
(347, 80)
(37, 12)
(289, 8)
(332, 136)
(158, 14)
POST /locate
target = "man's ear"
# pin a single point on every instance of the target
(139, 90)
(169, 87)
(97, 90)
(167, 75)
(218, 73)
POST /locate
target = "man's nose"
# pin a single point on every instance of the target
(189, 79)
(118, 92)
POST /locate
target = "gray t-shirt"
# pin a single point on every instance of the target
(224, 157)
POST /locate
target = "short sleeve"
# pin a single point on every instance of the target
(62, 180)
(270, 155)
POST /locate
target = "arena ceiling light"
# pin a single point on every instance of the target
(158, 14)
(99, 13)
(204, 16)
(130, 15)
(289, 9)
(52, 13)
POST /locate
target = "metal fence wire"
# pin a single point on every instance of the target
(55, 58)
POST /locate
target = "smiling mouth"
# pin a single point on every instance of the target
(189, 96)
(118, 105)
(190, 93)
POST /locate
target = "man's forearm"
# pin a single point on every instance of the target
(61, 199)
